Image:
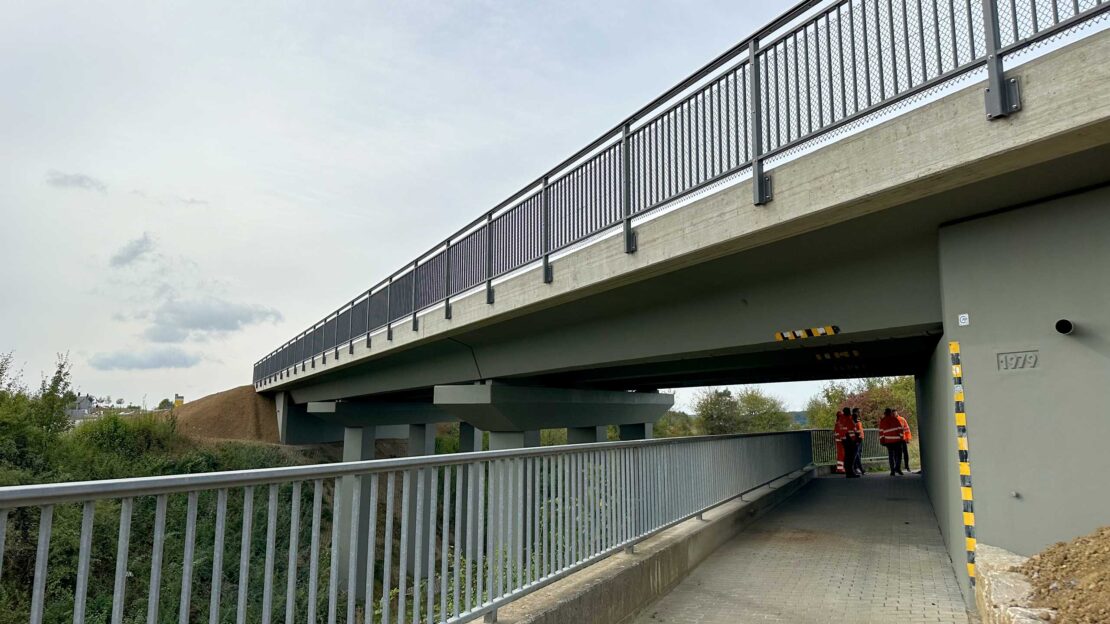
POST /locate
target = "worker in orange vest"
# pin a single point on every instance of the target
(848, 435)
(891, 436)
(906, 437)
(857, 423)
(840, 431)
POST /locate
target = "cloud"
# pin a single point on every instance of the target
(131, 251)
(147, 359)
(62, 180)
(179, 319)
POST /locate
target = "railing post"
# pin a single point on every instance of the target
(489, 258)
(447, 280)
(351, 327)
(761, 183)
(389, 310)
(415, 322)
(548, 273)
(1003, 97)
(626, 191)
(369, 293)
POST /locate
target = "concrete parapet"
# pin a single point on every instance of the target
(614, 590)
(1003, 596)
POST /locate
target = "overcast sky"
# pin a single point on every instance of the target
(185, 185)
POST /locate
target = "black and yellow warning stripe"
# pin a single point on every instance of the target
(966, 495)
(811, 332)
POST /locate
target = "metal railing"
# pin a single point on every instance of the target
(818, 67)
(824, 447)
(448, 538)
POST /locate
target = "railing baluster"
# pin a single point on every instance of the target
(430, 527)
(42, 561)
(122, 547)
(217, 557)
(291, 566)
(80, 593)
(271, 546)
(387, 567)
(333, 568)
(314, 555)
(443, 547)
(187, 563)
(245, 555)
(154, 590)
(371, 548)
(458, 539)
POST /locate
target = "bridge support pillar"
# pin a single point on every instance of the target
(587, 435)
(501, 440)
(641, 431)
(470, 438)
(358, 445)
(296, 425)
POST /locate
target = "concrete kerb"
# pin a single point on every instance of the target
(616, 589)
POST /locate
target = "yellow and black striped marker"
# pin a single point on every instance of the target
(965, 467)
(812, 332)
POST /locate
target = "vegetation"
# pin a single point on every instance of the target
(872, 396)
(38, 445)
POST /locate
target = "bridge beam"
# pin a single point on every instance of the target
(587, 435)
(499, 407)
(297, 426)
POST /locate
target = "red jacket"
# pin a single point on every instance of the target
(891, 430)
(844, 424)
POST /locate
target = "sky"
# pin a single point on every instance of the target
(185, 185)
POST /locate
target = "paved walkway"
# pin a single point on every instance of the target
(840, 550)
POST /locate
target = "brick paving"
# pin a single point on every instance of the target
(840, 550)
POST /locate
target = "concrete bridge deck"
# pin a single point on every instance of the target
(861, 550)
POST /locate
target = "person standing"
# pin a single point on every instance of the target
(891, 437)
(845, 432)
(840, 431)
(906, 437)
(857, 423)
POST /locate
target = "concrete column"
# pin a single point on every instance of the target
(297, 426)
(500, 440)
(587, 435)
(358, 445)
(470, 438)
(422, 440)
(641, 431)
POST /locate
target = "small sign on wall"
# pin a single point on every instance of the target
(964, 319)
(1018, 361)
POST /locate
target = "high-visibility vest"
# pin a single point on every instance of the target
(908, 435)
(890, 430)
(844, 424)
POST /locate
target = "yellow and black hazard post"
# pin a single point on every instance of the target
(965, 466)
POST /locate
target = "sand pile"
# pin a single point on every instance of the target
(236, 414)
(1074, 578)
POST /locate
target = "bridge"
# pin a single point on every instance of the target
(861, 188)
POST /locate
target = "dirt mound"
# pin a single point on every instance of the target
(236, 414)
(1074, 578)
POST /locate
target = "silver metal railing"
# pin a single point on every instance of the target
(824, 447)
(818, 68)
(448, 538)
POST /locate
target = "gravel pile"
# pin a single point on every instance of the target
(1074, 578)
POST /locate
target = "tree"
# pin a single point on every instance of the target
(717, 412)
(871, 395)
(119, 401)
(761, 412)
(675, 424)
(165, 404)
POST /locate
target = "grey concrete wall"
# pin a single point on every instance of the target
(1037, 431)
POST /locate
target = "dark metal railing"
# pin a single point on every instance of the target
(818, 67)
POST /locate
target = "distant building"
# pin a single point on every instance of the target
(83, 408)
(178, 400)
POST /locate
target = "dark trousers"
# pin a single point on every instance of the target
(905, 454)
(894, 456)
(859, 457)
(850, 451)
